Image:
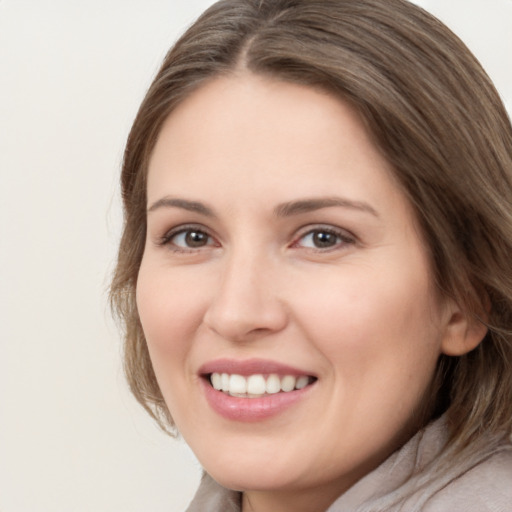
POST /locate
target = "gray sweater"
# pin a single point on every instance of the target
(410, 480)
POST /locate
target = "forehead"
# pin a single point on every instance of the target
(269, 136)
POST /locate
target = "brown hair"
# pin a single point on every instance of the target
(436, 117)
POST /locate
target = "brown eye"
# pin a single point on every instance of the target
(190, 238)
(323, 238)
(196, 238)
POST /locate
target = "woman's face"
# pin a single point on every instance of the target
(283, 264)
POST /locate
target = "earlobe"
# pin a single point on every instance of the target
(462, 334)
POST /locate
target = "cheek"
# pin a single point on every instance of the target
(170, 311)
(375, 327)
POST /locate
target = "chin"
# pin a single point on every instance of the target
(242, 469)
(256, 478)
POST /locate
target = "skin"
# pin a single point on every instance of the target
(360, 314)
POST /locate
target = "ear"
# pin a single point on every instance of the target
(462, 334)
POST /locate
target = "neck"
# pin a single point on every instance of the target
(317, 497)
(289, 501)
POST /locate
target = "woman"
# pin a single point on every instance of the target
(315, 273)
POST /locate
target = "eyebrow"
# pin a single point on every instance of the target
(287, 209)
(309, 205)
(185, 204)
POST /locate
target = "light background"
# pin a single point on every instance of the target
(72, 74)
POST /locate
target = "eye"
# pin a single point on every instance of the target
(187, 238)
(323, 239)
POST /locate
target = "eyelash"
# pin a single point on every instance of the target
(342, 238)
(167, 239)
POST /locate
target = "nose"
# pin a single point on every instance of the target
(246, 305)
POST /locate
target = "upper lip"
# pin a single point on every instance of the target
(251, 367)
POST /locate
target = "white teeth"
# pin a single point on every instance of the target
(288, 383)
(257, 385)
(273, 384)
(237, 384)
(302, 382)
(225, 382)
(216, 381)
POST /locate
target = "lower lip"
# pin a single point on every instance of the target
(252, 409)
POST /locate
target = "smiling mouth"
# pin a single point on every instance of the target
(257, 385)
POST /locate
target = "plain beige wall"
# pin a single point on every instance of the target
(72, 74)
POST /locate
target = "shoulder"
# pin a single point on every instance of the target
(486, 487)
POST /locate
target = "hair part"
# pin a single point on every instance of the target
(437, 119)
